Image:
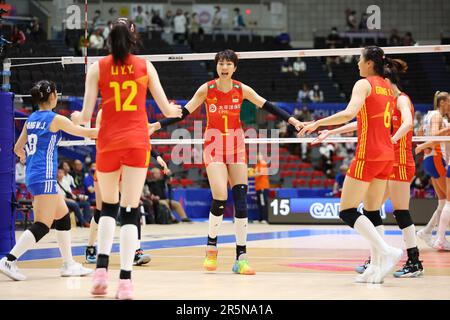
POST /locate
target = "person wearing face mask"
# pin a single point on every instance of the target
(317, 94)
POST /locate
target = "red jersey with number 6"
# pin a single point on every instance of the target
(374, 123)
(123, 89)
(403, 147)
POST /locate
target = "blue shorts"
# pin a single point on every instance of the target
(45, 187)
(448, 172)
(434, 166)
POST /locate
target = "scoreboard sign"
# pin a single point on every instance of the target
(326, 210)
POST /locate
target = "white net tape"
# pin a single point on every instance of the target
(68, 143)
(255, 55)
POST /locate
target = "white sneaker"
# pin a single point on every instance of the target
(366, 275)
(441, 245)
(426, 237)
(74, 270)
(376, 276)
(9, 269)
(388, 261)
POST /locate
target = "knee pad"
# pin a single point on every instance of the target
(374, 217)
(97, 214)
(63, 224)
(218, 207)
(403, 218)
(240, 200)
(110, 210)
(39, 230)
(349, 216)
(129, 217)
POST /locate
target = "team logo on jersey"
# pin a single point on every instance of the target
(235, 99)
(211, 100)
(212, 108)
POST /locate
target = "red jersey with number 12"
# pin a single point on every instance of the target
(123, 89)
(403, 147)
(374, 123)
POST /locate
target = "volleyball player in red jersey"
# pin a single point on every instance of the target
(372, 102)
(224, 153)
(403, 171)
(123, 147)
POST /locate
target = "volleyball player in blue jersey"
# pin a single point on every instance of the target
(37, 145)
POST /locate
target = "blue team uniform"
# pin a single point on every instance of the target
(42, 154)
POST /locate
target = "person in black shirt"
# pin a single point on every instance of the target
(158, 187)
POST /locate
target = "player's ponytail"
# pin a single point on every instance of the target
(393, 68)
(41, 91)
(122, 39)
(438, 97)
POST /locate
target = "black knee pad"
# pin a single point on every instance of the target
(218, 207)
(97, 214)
(129, 217)
(138, 224)
(39, 230)
(63, 224)
(403, 218)
(240, 200)
(110, 210)
(349, 216)
(374, 217)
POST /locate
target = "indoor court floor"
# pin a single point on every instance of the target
(291, 262)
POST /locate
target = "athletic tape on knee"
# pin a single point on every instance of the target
(403, 218)
(39, 230)
(218, 207)
(240, 200)
(110, 210)
(97, 214)
(349, 216)
(129, 216)
(374, 217)
(63, 224)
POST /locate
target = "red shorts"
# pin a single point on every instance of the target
(369, 170)
(112, 160)
(402, 173)
(224, 153)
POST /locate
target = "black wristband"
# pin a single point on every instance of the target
(155, 154)
(168, 121)
(273, 109)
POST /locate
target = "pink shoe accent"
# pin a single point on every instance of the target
(125, 290)
(99, 282)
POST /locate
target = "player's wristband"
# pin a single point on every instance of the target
(155, 154)
(273, 109)
(168, 121)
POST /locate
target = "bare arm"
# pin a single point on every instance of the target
(64, 124)
(198, 98)
(98, 120)
(259, 102)
(407, 122)
(20, 144)
(90, 96)
(361, 90)
(157, 91)
(196, 101)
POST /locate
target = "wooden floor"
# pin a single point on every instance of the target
(292, 262)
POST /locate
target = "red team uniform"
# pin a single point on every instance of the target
(404, 166)
(224, 136)
(123, 138)
(375, 152)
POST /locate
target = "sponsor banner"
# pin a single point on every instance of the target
(326, 210)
